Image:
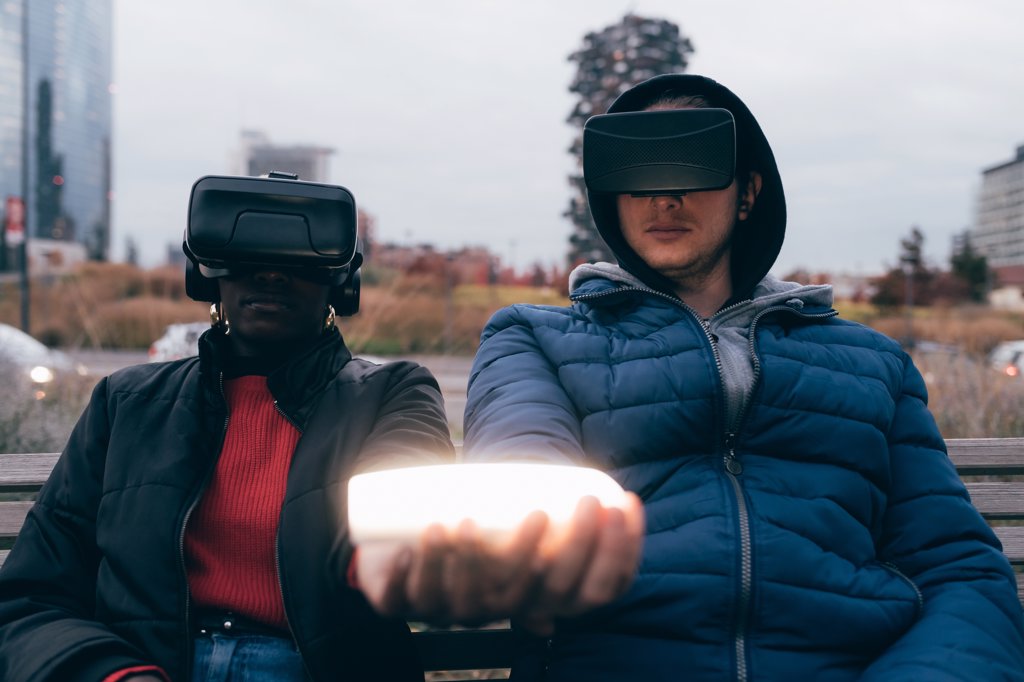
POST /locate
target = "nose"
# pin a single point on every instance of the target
(271, 277)
(668, 201)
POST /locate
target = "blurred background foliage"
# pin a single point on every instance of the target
(119, 306)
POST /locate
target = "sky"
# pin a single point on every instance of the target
(448, 117)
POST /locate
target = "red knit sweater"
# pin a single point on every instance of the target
(230, 542)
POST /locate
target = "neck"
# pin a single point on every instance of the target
(709, 294)
(267, 354)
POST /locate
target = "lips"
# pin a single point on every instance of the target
(267, 302)
(665, 227)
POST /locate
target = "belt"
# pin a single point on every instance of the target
(229, 623)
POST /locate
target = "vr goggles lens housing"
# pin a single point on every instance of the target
(242, 222)
(328, 276)
(239, 225)
(659, 152)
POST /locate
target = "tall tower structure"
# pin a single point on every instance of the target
(607, 64)
(998, 232)
(56, 118)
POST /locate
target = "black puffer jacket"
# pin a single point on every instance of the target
(96, 581)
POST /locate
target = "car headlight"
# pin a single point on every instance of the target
(41, 374)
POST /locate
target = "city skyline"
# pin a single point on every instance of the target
(448, 119)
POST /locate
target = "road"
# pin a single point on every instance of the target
(452, 373)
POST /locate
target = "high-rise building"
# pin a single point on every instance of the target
(259, 156)
(998, 232)
(55, 118)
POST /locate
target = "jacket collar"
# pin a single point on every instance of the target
(295, 385)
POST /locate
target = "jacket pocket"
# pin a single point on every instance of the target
(895, 570)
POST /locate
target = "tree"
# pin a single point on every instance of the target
(970, 267)
(131, 251)
(911, 282)
(609, 63)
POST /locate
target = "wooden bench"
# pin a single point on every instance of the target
(992, 468)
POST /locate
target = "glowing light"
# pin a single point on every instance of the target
(58, 180)
(1011, 370)
(399, 504)
(40, 374)
(39, 395)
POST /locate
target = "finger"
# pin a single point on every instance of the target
(467, 575)
(611, 570)
(392, 600)
(635, 517)
(426, 593)
(516, 568)
(520, 555)
(571, 556)
(635, 525)
(617, 556)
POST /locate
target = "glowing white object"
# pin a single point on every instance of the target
(399, 504)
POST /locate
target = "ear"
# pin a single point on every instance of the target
(748, 196)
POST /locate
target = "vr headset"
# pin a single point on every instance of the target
(244, 224)
(649, 153)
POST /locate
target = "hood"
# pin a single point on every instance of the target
(757, 240)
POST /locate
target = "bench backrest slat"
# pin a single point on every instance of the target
(987, 456)
(998, 500)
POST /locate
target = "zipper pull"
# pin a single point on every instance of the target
(732, 465)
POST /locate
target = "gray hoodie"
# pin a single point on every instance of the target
(730, 326)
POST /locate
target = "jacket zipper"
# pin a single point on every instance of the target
(277, 556)
(184, 526)
(733, 466)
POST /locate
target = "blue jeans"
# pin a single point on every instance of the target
(246, 658)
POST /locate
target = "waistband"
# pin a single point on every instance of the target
(208, 621)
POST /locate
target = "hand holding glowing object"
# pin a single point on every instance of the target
(399, 504)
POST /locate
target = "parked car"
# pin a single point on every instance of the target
(33, 367)
(1008, 358)
(178, 341)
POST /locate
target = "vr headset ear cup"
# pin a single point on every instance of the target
(345, 297)
(197, 287)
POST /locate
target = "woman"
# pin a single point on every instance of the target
(194, 527)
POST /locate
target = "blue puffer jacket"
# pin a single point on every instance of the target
(828, 538)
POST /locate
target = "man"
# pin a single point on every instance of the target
(194, 527)
(803, 521)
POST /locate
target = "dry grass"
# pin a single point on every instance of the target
(416, 315)
(974, 330)
(971, 400)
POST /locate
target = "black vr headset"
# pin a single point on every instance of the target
(649, 153)
(244, 224)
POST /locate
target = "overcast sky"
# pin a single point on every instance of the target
(448, 116)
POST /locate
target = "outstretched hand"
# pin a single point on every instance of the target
(543, 572)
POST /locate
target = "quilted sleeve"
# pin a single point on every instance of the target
(516, 406)
(970, 627)
(48, 630)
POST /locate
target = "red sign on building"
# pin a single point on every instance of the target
(14, 221)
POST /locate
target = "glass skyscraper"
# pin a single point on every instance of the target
(55, 117)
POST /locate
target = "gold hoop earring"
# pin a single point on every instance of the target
(329, 318)
(218, 320)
